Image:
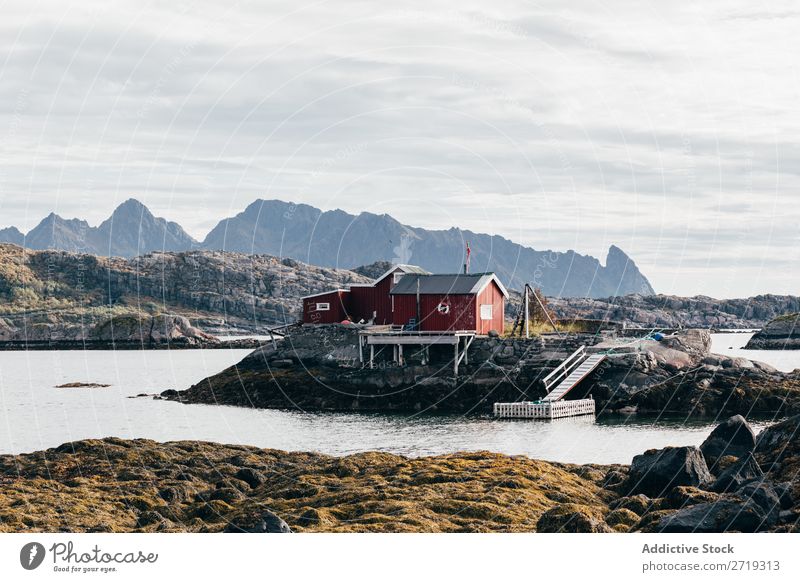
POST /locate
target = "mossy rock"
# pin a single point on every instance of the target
(638, 504)
(572, 518)
(624, 517)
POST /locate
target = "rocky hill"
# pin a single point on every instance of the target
(336, 239)
(57, 295)
(670, 311)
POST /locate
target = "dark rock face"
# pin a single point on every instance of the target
(716, 517)
(742, 471)
(657, 471)
(781, 333)
(733, 437)
(260, 522)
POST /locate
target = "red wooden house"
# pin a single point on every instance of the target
(409, 296)
(369, 303)
(473, 302)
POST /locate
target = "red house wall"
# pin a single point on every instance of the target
(366, 300)
(495, 297)
(461, 316)
(338, 312)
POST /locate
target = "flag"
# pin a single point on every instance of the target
(469, 251)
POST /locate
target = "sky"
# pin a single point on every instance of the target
(668, 129)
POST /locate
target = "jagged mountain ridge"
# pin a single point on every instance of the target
(132, 230)
(337, 239)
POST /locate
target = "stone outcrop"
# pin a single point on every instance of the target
(781, 333)
(656, 472)
(670, 311)
(732, 437)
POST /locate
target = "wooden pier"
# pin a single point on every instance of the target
(544, 410)
(460, 340)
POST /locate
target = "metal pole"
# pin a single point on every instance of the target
(527, 314)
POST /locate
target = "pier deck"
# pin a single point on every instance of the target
(544, 409)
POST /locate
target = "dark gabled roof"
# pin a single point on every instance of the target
(458, 284)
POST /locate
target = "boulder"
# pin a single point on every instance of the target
(732, 437)
(622, 517)
(765, 496)
(639, 504)
(695, 342)
(571, 518)
(250, 476)
(657, 471)
(684, 496)
(743, 471)
(716, 517)
(263, 521)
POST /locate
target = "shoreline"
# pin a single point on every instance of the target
(103, 345)
(732, 482)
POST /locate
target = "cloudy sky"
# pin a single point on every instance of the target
(669, 129)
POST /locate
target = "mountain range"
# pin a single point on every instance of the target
(338, 239)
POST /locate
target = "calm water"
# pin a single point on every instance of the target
(35, 415)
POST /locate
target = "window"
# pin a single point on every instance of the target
(486, 311)
(396, 277)
(327, 307)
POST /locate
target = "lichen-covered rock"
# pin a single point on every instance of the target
(571, 518)
(657, 471)
(622, 516)
(639, 504)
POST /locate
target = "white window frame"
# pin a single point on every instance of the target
(484, 316)
(322, 307)
(396, 277)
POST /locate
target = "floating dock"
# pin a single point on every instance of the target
(558, 383)
(544, 409)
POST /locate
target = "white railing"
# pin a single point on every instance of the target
(565, 368)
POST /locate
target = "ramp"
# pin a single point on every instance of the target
(570, 373)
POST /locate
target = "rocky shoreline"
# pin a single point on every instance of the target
(732, 482)
(318, 368)
(781, 333)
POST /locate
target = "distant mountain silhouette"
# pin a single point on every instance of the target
(130, 231)
(338, 239)
(11, 235)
